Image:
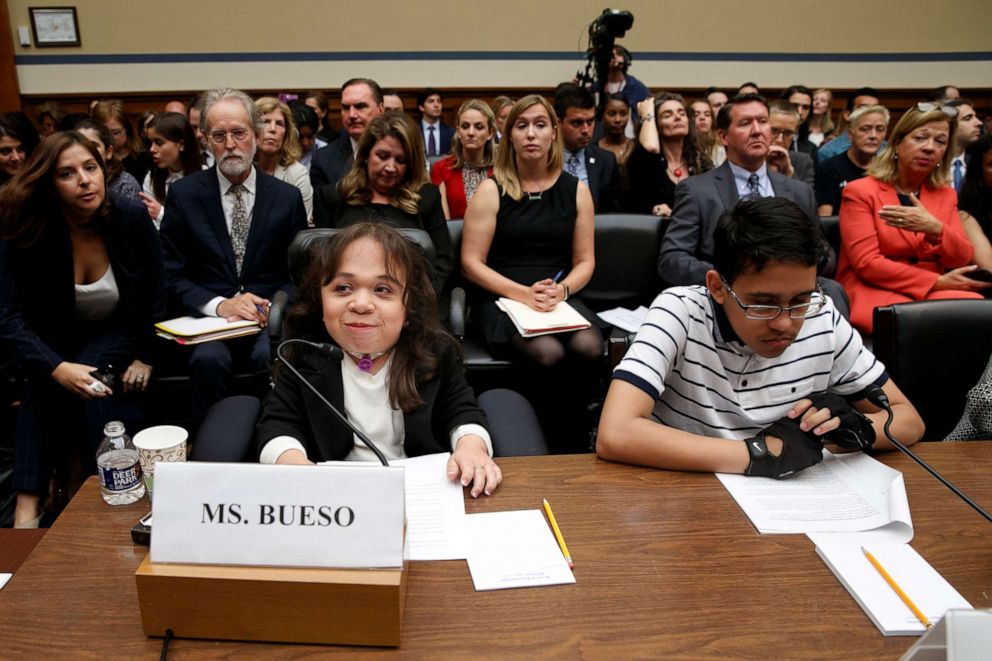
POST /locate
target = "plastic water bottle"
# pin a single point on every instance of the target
(118, 466)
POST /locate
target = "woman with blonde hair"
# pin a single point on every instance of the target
(279, 148)
(501, 107)
(820, 125)
(459, 173)
(529, 236)
(388, 183)
(901, 237)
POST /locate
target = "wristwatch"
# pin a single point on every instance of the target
(564, 286)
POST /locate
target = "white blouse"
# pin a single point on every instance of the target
(366, 405)
(98, 300)
(146, 187)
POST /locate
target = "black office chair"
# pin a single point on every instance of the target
(935, 351)
(483, 370)
(627, 247)
(626, 275)
(831, 229)
(228, 431)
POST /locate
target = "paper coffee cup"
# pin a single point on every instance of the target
(161, 443)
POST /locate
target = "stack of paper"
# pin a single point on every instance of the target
(514, 550)
(194, 330)
(843, 494)
(531, 322)
(915, 576)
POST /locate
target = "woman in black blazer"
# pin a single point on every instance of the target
(398, 376)
(81, 285)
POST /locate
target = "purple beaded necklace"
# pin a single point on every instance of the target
(365, 359)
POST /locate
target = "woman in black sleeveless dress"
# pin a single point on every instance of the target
(528, 236)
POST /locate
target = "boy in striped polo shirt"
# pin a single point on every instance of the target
(754, 371)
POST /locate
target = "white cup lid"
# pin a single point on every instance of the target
(160, 437)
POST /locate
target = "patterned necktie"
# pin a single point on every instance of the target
(431, 147)
(958, 175)
(753, 188)
(239, 225)
(572, 165)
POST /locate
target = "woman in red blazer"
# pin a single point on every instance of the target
(471, 159)
(901, 238)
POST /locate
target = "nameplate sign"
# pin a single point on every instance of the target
(283, 516)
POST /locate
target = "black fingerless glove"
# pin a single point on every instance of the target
(855, 431)
(800, 449)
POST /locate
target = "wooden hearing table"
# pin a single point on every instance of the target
(666, 567)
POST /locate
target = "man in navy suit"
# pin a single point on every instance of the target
(437, 136)
(593, 166)
(361, 100)
(225, 237)
(744, 129)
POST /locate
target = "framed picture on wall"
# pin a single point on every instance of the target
(54, 26)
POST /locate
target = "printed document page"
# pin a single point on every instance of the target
(844, 493)
(435, 507)
(435, 510)
(514, 549)
(628, 320)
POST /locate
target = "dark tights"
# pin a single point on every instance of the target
(563, 379)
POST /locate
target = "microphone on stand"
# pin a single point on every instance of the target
(336, 355)
(878, 397)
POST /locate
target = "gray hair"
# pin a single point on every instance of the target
(215, 96)
(858, 113)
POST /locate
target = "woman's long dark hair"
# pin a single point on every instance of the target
(29, 200)
(174, 127)
(976, 195)
(696, 160)
(413, 355)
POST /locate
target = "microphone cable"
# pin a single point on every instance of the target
(878, 397)
(335, 353)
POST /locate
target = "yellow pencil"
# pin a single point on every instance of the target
(898, 590)
(561, 540)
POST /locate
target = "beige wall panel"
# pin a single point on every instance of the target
(154, 26)
(116, 28)
(123, 78)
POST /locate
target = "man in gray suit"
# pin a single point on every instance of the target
(783, 117)
(687, 249)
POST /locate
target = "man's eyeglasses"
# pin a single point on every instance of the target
(769, 312)
(785, 133)
(926, 106)
(220, 137)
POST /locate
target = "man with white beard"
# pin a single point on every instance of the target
(225, 237)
